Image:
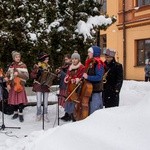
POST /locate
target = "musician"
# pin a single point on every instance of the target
(114, 79)
(72, 78)
(17, 94)
(94, 76)
(3, 86)
(61, 73)
(40, 89)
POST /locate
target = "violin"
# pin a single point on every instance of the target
(1, 73)
(17, 82)
(17, 85)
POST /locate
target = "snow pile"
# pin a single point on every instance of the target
(119, 128)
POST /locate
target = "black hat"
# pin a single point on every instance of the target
(42, 56)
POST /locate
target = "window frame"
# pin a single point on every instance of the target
(102, 42)
(138, 49)
(103, 9)
(143, 3)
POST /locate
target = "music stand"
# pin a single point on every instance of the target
(2, 127)
(43, 106)
(58, 95)
(43, 111)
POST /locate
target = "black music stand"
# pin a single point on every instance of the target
(43, 112)
(58, 95)
(2, 127)
(43, 122)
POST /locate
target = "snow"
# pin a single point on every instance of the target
(32, 36)
(20, 19)
(54, 24)
(119, 128)
(85, 28)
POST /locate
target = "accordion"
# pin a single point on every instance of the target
(46, 78)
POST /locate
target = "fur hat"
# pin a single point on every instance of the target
(109, 52)
(75, 55)
(42, 56)
(95, 50)
(14, 53)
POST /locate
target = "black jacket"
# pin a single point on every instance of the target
(114, 77)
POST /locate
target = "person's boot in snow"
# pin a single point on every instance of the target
(66, 117)
(38, 117)
(21, 119)
(72, 118)
(15, 116)
(46, 119)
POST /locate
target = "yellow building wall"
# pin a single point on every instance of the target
(133, 34)
(114, 38)
(115, 41)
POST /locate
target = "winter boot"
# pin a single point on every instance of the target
(15, 116)
(38, 117)
(46, 119)
(72, 118)
(21, 119)
(66, 117)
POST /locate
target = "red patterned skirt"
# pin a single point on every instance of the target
(16, 98)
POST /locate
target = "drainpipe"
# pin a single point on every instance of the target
(98, 38)
(124, 40)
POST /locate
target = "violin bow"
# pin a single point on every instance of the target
(73, 92)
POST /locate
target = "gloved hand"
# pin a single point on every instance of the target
(73, 81)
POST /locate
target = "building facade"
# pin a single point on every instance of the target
(129, 36)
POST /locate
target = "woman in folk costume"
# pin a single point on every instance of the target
(40, 89)
(95, 76)
(16, 76)
(73, 76)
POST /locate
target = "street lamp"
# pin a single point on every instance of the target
(101, 2)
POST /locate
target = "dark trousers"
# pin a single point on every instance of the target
(110, 98)
(19, 107)
(147, 79)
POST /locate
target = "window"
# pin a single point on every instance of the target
(143, 51)
(103, 42)
(143, 2)
(104, 7)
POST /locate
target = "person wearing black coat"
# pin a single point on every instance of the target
(113, 79)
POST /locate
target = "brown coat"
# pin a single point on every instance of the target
(37, 87)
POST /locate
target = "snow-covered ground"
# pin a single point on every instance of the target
(121, 128)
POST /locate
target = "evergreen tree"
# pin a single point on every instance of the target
(51, 26)
(71, 13)
(24, 27)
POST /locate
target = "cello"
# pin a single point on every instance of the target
(82, 108)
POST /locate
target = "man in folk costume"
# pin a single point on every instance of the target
(113, 79)
(95, 76)
(40, 89)
(16, 76)
(73, 77)
(61, 73)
